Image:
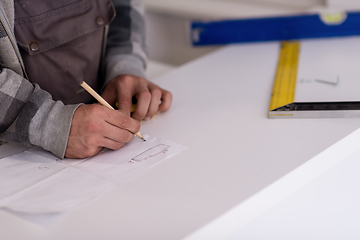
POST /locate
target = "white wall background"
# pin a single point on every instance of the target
(168, 21)
(304, 4)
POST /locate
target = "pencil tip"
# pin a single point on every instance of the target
(139, 135)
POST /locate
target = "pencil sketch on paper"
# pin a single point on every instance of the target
(150, 153)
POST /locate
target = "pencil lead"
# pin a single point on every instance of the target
(139, 135)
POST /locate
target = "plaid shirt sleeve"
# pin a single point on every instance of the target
(126, 50)
(29, 115)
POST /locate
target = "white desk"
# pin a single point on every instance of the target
(220, 114)
(326, 209)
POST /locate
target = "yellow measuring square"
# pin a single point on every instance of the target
(283, 92)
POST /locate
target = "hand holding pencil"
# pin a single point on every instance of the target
(103, 102)
(94, 127)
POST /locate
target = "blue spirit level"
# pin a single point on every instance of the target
(276, 28)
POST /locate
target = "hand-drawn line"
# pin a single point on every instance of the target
(151, 152)
(44, 168)
(328, 82)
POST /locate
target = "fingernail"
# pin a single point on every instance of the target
(147, 118)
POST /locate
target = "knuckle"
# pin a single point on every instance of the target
(94, 109)
(156, 92)
(145, 94)
(89, 141)
(126, 81)
(123, 122)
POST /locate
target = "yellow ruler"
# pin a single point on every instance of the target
(282, 103)
(283, 92)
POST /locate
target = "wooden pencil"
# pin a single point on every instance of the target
(103, 102)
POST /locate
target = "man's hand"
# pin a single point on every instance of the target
(94, 127)
(151, 99)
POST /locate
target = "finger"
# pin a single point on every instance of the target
(109, 95)
(143, 101)
(166, 100)
(122, 121)
(124, 99)
(124, 88)
(111, 144)
(118, 135)
(155, 101)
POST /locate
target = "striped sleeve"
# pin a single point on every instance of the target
(126, 50)
(29, 115)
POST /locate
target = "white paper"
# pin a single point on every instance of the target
(36, 181)
(60, 192)
(123, 167)
(23, 170)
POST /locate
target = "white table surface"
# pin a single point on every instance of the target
(220, 113)
(326, 209)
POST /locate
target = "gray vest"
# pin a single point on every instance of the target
(61, 43)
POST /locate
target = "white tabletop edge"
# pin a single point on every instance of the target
(256, 205)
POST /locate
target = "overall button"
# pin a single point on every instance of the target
(100, 21)
(34, 46)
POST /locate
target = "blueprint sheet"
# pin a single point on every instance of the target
(37, 182)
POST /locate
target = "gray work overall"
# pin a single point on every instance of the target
(62, 43)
